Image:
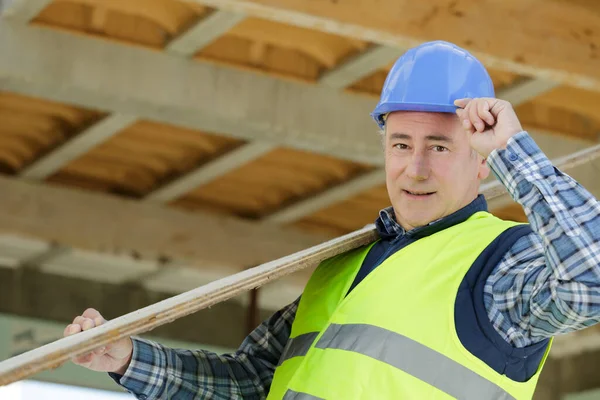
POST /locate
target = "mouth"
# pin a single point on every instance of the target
(418, 194)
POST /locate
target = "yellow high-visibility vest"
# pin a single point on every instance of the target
(394, 335)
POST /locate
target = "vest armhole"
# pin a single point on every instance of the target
(473, 327)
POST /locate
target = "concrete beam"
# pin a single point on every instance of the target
(204, 32)
(77, 146)
(105, 224)
(206, 173)
(22, 11)
(360, 66)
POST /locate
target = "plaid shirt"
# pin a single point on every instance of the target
(546, 284)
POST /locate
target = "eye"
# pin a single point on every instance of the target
(401, 146)
(440, 148)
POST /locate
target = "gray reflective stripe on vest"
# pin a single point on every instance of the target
(413, 358)
(298, 346)
(291, 395)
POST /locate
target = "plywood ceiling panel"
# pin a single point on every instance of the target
(145, 22)
(262, 58)
(538, 116)
(142, 157)
(32, 127)
(281, 177)
(579, 101)
(282, 50)
(349, 215)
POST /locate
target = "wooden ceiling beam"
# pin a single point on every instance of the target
(561, 43)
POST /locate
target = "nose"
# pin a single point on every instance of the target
(418, 167)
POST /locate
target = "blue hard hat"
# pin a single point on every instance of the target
(429, 78)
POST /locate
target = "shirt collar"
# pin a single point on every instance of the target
(388, 228)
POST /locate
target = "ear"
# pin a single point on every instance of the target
(484, 169)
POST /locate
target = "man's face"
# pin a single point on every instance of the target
(431, 170)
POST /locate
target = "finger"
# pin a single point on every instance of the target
(465, 121)
(72, 329)
(483, 110)
(99, 321)
(91, 313)
(462, 103)
(468, 126)
(100, 351)
(88, 324)
(84, 359)
(78, 320)
(474, 117)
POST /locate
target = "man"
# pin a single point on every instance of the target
(451, 302)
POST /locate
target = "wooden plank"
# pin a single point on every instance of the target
(150, 317)
(560, 44)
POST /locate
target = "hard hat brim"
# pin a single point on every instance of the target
(386, 108)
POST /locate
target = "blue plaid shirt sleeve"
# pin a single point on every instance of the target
(549, 282)
(158, 372)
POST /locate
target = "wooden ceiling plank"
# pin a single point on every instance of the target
(331, 196)
(561, 44)
(359, 66)
(209, 172)
(76, 147)
(203, 33)
(22, 11)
